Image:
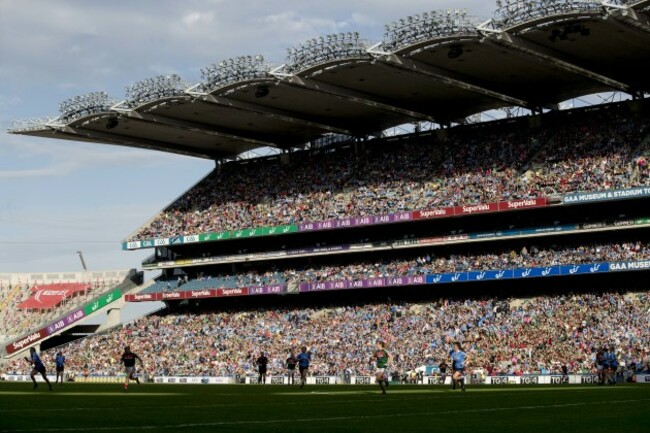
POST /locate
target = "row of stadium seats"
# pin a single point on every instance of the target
(416, 263)
(515, 336)
(578, 152)
(229, 282)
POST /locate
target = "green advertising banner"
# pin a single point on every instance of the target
(212, 237)
(100, 303)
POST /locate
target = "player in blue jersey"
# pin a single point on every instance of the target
(60, 367)
(304, 358)
(600, 366)
(612, 362)
(458, 362)
(38, 367)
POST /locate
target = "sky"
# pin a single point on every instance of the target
(58, 197)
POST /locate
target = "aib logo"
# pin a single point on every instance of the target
(456, 277)
(239, 234)
(594, 268)
(500, 275)
(95, 305)
(437, 278)
(526, 273)
(574, 269)
(220, 236)
(109, 298)
(480, 276)
(286, 229)
(546, 272)
(272, 230)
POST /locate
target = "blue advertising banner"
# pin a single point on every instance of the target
(446, 278)
(489, 275)
(536, 272)
(637, 265)
(547, 271)
(590, 268)
(619, 194)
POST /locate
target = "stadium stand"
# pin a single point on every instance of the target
(580, 151)
(502, 336)
(413, 263)
(34, 299)
(508, 328)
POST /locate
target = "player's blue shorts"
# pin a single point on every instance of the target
(40, 369)
(460, 370)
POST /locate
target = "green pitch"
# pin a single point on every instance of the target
(212, 408)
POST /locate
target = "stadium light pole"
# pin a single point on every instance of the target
(83, 262)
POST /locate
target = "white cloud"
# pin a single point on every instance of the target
(61, 158)
(194, 18)
(51, 51)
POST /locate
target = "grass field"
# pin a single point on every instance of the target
(244, 408)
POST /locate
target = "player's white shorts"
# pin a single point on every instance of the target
(129, 370)
(381, 372)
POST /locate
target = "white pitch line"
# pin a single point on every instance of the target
(377, 399)
(327, 419)
(434, 395)
(93, 394)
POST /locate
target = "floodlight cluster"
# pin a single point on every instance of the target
(233, 70)
(84, 105)
(428, 25)
(152, 89)
(26, 125)
(510, 12)
(326, 48)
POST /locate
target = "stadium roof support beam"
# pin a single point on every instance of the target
(132, 141)
(629, 17)
(271, 113)
(414, 66)
(525, 48)
(642, 4)
(346, 94)
(196, 127)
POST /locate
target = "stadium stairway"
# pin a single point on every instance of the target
(15, 291)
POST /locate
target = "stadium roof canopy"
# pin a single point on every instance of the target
(440, 66)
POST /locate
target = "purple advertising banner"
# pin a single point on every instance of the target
(347, 222)
(66, 321)
(318, 250)
(412, 280)
(353, 222)
(406, 281)
(374, 282)
(267, 290)
(363, 221)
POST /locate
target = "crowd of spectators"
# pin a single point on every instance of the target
(421, 264)
(501, 336)
(15, 321)
(586, 152)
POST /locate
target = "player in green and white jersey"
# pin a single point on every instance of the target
(381, 358)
